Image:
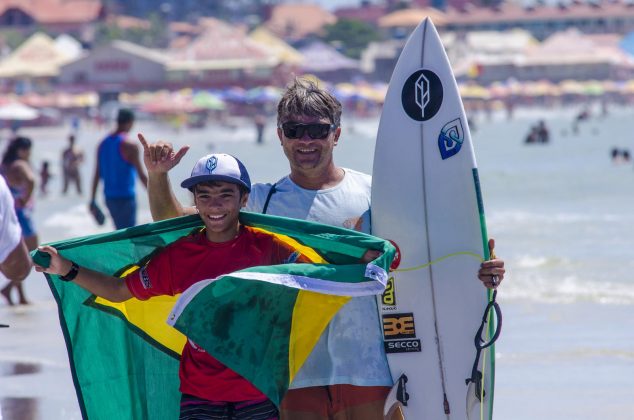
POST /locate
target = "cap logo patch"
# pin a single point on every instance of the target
(212, 163)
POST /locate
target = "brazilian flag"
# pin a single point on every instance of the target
(262, 322)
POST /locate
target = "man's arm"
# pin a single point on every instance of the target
(108, 287)
(17, 264)
(159, 158)
(492, 272)
(95, 178)
(131, 154)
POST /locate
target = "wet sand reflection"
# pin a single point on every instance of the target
(18, 408)
(19, 368)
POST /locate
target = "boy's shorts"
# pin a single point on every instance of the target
(193, 408)
(336, 402)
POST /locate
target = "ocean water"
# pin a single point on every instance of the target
(562, 216)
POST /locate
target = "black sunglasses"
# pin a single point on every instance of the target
(317, 131)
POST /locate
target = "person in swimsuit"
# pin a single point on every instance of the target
(20, 178)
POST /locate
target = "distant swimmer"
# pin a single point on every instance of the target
(538, 134)
(620, 155)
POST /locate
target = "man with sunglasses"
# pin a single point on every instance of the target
(346, 375)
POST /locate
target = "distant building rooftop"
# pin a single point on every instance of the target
(410, 18)
(53, 11)
(370, 13)
(296, 21)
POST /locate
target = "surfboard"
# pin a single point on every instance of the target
(426, 199)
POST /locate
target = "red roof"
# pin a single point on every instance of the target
(370, 13)
(511, 12)
(296, 21)
(56, 11)
(221, 42)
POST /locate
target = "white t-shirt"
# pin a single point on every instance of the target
(350, 351)
(10, 231)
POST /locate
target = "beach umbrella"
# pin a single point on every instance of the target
(233, 94)
(208, 100)
(263, 94)
(344, 91)
(473, 91)
(571, 87)
(593, 88)
(540, 88)
(499, 90)
(17, 112)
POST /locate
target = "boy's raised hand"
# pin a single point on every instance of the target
(160, 156)
(58, 266)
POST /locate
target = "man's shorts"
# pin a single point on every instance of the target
(334, 402)
(194, 408)
(123, 211)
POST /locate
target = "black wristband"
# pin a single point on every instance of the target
(70, 276)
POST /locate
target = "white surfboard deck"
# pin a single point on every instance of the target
(426, 198)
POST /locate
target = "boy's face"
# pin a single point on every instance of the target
(219, 205)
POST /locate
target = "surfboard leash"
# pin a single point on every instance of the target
(482, 344)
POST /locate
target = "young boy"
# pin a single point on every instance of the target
(221, 185)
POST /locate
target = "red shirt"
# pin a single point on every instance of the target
(190, 260)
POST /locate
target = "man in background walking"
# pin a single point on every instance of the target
(118, 164)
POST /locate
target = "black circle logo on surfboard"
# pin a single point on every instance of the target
(422, 95)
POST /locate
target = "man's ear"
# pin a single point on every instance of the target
(337, 134)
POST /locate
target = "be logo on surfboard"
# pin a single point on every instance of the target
(422, 95)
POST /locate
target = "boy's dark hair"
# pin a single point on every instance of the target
(304, 97)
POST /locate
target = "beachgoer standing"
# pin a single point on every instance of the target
(20, 178)
(118, 164)
(15, 261)
(260, 122)
(72, 158)
(45, 177)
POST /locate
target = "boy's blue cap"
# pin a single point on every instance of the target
(218, 167)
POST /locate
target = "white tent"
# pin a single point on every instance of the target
(17, 111)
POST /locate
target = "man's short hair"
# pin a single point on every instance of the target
(304, 97)
(125, 116)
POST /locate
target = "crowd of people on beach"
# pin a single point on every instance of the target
(308, 127)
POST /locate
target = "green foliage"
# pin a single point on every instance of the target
(13, 38)
(154, 36)
(353, 36)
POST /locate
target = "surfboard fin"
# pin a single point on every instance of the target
(474, 392)
(396, 399)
